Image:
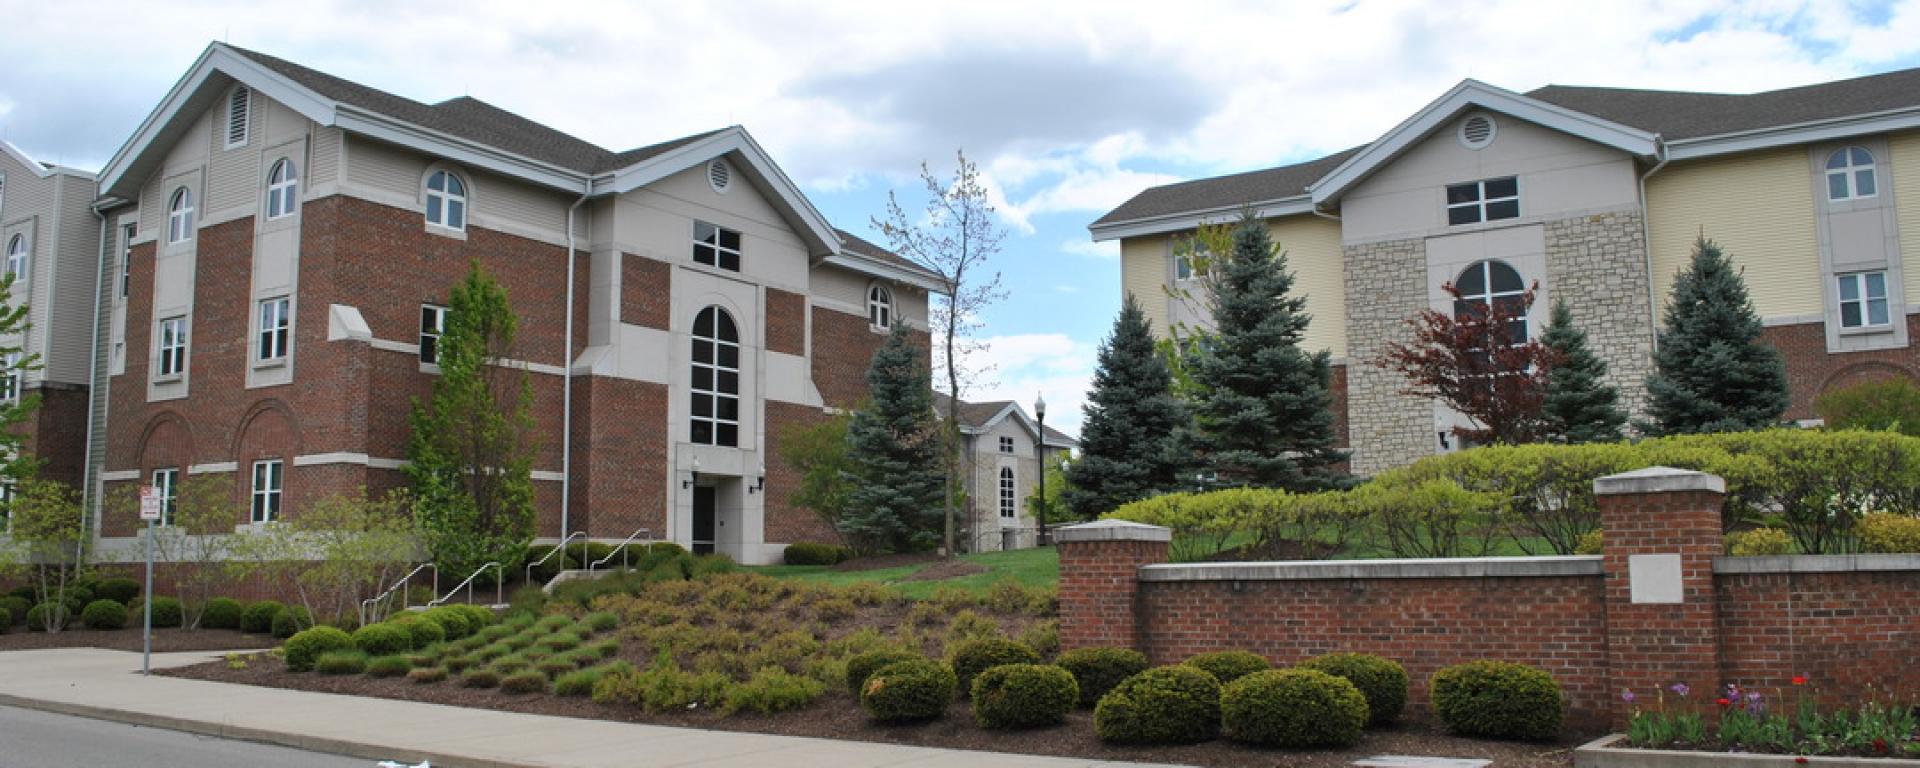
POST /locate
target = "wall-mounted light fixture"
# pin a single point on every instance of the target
(692, 477)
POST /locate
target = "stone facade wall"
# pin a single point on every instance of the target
(1386, 284)
(1598, 265)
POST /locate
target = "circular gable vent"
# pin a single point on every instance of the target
(1477, 131)
(719, 175)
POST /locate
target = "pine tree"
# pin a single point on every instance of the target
(1263, 417)
(894, 451)
(1712, 373)
(1128, 444)
(1579, 407)
(470, 458)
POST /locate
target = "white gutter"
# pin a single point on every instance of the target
(566, 379)
(1646, 242)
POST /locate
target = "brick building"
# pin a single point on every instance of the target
(288, 239)
(1596, 194)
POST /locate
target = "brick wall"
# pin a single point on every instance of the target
(646, 291)
(1812, 371)
(57, 431)
(787, 522)
(843, 346)
(619, 459)
(786, 322)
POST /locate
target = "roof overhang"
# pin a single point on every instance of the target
(735, 143)
(1189, 220)
(43, 170)
(867, 265)
(1797, 133)
(1471, 94)
(1012, 410)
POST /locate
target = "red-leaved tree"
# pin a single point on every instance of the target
(1479, 361)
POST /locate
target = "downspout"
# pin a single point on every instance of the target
(1646, 242)
(566, 378)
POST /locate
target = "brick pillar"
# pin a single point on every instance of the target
(1099, 580)
(1662, 534)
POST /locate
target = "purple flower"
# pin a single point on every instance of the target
(1626, 695)
(1680, 689)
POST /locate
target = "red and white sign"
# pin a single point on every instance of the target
(150, 502)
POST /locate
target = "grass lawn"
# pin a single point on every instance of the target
(1038, 567)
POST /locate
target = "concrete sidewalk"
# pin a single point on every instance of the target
(107, 685)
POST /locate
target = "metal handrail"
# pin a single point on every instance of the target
(621, 549)
(559, 550)
(499, 588)
(402, 583)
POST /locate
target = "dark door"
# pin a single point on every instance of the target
(703, 519)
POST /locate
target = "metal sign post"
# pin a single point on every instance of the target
(149, 512)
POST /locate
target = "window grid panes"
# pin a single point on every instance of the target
(433, 324)
(180, 216)
(1491, 284)
(1006, 493)
(716, 246)
(267, 476)
(17, 257)
(173, 346)
(126, 259)
(1182, 268)
(1863, 300)
(1006, 444)
(10, 377)
(716, 379)
(274, 325)
(1850, 174)
(446, 201)
(168, 481)
(1478, 201)
(283, 187)
(880, 307)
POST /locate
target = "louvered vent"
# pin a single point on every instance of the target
(238, 106)
(719, 175)
(1477, 131)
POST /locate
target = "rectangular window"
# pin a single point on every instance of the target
(433, 323)
(274, 324)
(1007, 494)
(1863, 300)
(1478, 201)
(10, 377)
(716, 246)
(168, 481)
(173, 346)
(126, 259)
(266, 490)
(6, 506)
(1006, 444)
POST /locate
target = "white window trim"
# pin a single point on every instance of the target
(180, 223)
(269, 478)
(11, 378)
(19, 247)
(739, 254)
(447, 198)
(880, 314)
(715, 391)
(169, 492)
(1488, 295)
(1847, 173)
(1865, 300)
(273, 343)
(440, 330)
(1480, 188)
(162, 370)
(283, 193)
(1009, 494)
(127, 233)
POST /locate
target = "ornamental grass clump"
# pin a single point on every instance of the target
(1176, 704)
(1293, 709)
(345, 661)
(389, 666)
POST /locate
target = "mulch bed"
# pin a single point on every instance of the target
(836, 716)
(164, 640)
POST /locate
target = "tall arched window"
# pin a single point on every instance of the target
(283, 189)
(1490, 284)
(1850, 174)
(1007, 493)
(17, 257)
(715, 417)
(880, 306)
(180, 216)
(446, 201)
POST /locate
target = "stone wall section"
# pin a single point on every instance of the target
(1386, 285)
(1598, 265)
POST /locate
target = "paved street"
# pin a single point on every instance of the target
(43, 740)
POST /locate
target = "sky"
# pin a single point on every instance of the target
(1070, 108)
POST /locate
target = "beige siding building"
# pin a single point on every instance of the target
(1001, 445)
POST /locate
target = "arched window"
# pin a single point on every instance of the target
(283, 189)
(17, 257)
(1007, 493)
(1489, 285)
(1850, 174)
(879, 306)
(446, 201)
(180, 216)
(715, 417)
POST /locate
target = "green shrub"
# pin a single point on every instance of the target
(1176, 704)
(816, 553)
(421, 631)
(1098, 670)
(578, 682)
(166, 611)
(1591, 543)
(16, 607)
(306, 647)
(459, 664)
(478, 616)
(662, 687)
(41, 616)
(528, 681)
(384, 639)
(424, 675)
(1758, 542)
(1889, 534)
(6, 619)
(1228, 666)
(1023, 696)
(1499, 700)
(973, 657)
(341, 662)
(480, 678)
(1043, 637)
(454, 623)
(1293, 709)
(772, 689)
(1383, 681)
(221, 613)
(545, 571)
(560, 641)
(289, 620)
(104, 614)
(601, 621)
(862, 666)
(257, 619)
(121, 591)
(908, 691)
(1892, 404)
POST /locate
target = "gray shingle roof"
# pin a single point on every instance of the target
(1225, 191)
(860, 245)
(976, 415)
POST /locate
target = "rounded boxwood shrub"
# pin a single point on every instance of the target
(104, 614)
(1228, 666)
(16, 607)
(1098, 670)
(1023, 696)
(1888, 533)
(166, 611)
(345, 661)
(1293, 708)
(384, 639)
(121, 591)
(306, 647)
(456, 624)
(862, 666)
(389, 666)
(908, 691)
(1499, 700)
(44, 614)
(257, 618)
(289, 620)
(1176, 704)
(221, 613)
(973, 657)
(421, 631)
(1383, 681)
(816, 553)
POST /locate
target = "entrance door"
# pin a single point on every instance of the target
(703, 511)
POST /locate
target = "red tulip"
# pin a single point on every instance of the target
(1799, 680)
(1723, 702)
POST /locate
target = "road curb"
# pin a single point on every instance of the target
(343, 747)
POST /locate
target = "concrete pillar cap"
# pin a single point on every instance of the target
(1658, 480)
(1113, 530)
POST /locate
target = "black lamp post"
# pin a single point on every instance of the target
(1040, 461)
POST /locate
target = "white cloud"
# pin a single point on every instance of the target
(1107, 249)
(1052, 365)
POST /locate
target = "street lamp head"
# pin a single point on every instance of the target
(1039, 406)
